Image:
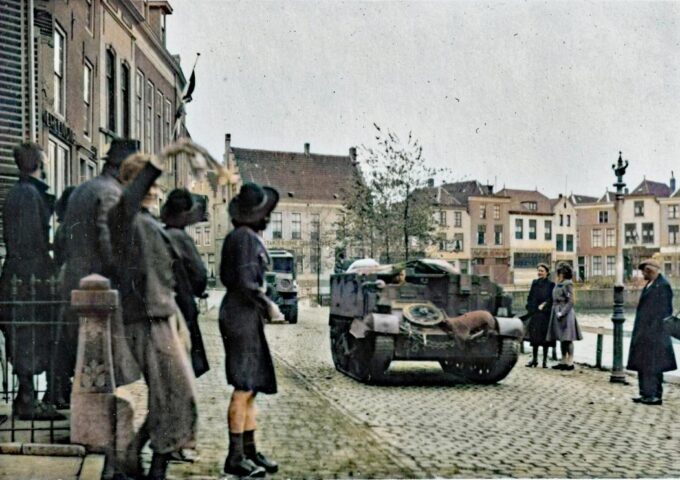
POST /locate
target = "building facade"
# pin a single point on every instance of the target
(452, 237)
(670, 234)
(490, 250)
(596, 246)
(565, 234)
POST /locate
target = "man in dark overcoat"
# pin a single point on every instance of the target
(26, 276)
(651, 352)
(87, 250)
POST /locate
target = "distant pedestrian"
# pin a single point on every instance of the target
(243, 312)
(563, 325)
(144, 261)
(539, 308)
(27, 271)
(86, 241)
(651, 351)
(191, 277)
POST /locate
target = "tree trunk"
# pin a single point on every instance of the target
(406, 205)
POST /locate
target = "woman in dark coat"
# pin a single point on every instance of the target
(242, 316)
(539, 306)
(651, 351)
(191, 276)
(563, 324)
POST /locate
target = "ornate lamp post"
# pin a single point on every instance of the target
(617, 375)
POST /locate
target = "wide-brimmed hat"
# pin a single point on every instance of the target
(253, 203)
(120, 149)
(651, 262)
(181, 210)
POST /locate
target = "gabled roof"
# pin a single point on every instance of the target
(608, 197)
(461, 191)
(439, 196)
(521, 199)
(579, 199)
(649, 187)
(307, 176)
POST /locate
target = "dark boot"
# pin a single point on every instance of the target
(27, 407)
(250, 451)
(159, 466)
(237, 463)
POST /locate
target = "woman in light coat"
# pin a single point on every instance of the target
(563, 326)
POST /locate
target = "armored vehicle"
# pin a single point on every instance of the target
(282, 286)
(435, 313)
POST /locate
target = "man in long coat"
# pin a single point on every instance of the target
(87, 251)
(26, 276)
(651, 352)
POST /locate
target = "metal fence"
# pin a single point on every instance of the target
(31, 321)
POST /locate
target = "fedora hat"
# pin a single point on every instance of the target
(253, 203)
(181, 209)
(120, 149)
(651, 262)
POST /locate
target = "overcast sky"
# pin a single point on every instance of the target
(526, 94)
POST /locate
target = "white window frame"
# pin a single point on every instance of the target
(59, 70)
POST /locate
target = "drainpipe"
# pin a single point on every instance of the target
(31, 73)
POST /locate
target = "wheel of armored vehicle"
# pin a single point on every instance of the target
(366, 359)
(486, 371)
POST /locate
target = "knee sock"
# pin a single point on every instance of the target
(235, 446)
(249, 448)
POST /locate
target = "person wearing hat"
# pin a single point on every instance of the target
(243, 312)
(191, 277)
(26, 225)
(144, 268)
(539, 307)
(651, 351)
(86, 241)
(563, 325)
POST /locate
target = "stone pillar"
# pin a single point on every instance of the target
(100, 420)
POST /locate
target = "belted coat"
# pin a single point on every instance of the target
(541, 292)
(651, 350)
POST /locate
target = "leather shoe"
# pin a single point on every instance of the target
(245, 469)
(559, 366)
(568, 367)
(636, 399)
(651, 401)
(532, 364)
(269, 465)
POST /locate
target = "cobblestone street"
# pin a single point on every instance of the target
(536, 423)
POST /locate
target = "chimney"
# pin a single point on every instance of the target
(430, 182)
(672, 182)
(227, 142)
(560, 196)
(306, 148)
(353, 154)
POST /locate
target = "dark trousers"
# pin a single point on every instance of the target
(650, 384)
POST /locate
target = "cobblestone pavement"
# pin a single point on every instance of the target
(535, 423)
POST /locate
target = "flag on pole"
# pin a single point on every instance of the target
(186, 98)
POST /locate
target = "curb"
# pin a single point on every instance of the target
(43, 449)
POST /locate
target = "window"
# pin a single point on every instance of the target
(568, 220)
(89, 16)
(167, 129)
(441, 241)
(125, 98)
(610, 240)
(673, 234)
(314, 263)
(158, 125)
(148, 118)
(139, 105)
(87, 170)
(57, 166)
(457, 219)
(603, 216)
(199, 236)
(277, 225)
(111, 90)
(639, 208)
(481, 234)
(559, 242)
(87, 98)
(498, 234)
(59, 73)
(519, 229)
(442, 218)
(673, 211)
(548, 230)
(315, 228)
(496, 212)
(668, 269)
(611, 265)
(458, 242)
(530, 260)
(532, 229)
(206, 232)
(482, 211)
(561, 220)
(597, 237)
(570, 243)
(295, 226)
(597, 266)
(647, 233)
(299, 262)
(531, 206)
(631, 233)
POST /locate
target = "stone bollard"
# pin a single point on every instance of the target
(100, 420)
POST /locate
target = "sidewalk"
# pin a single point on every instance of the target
(48, 462)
